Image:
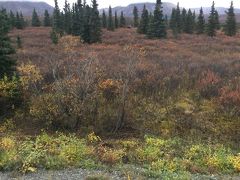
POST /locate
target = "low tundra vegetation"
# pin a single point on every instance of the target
(184, 94)
(157, 157)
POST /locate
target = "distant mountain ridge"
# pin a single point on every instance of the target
(167, 9)
(128, 10)
(26, 7)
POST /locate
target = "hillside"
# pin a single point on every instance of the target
(167, 8)
(26, 7)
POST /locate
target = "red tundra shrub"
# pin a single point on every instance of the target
(208, 84)
(230, 99)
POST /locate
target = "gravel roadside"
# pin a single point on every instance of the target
(82, 174)
(75, 174)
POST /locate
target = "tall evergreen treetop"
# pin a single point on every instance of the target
(86, 26)
(67, 18)
(47, 20)
(184, 18)
(12, 19)
(173, 19)
(136, 17)
(35, 19)
(157, 26)
(189, 28)
(95, 24)
(57, 21)
(110, 20)
(104, 19)
(212, 23)
(122, 20)
(78, 18)
(143, 26)
(218, 25)
(230, 27)
(200, 22)
(178, 19)
(116, 20)
(19, 21)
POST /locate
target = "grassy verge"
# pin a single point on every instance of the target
(150, 157)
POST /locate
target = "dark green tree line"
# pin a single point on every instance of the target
(7, 63)
(230, 27)
(80, 20)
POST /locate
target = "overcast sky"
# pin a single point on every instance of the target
(183, 3)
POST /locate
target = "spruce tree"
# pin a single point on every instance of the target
(136, 18)
(122, 20)
(201, 22)
(19, 22)
(104, 20)
(184, 19)
(7, 64)
(172, 23)
(143, 26)
(116, 20)
(166, 20)
(86, 26)
(22, 21)
(62, 23)
(212, 24)
(218, 25)
(110, 20)
(78, 18)
(95, 24)
(194, 20)
(230, 27)
(178, 19)
(67, 18)
(47, 20)
(35, 19)
(57, 21)
(157, 27)
(189, 25)
(12, 20)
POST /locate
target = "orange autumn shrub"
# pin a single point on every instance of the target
(110, 88)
